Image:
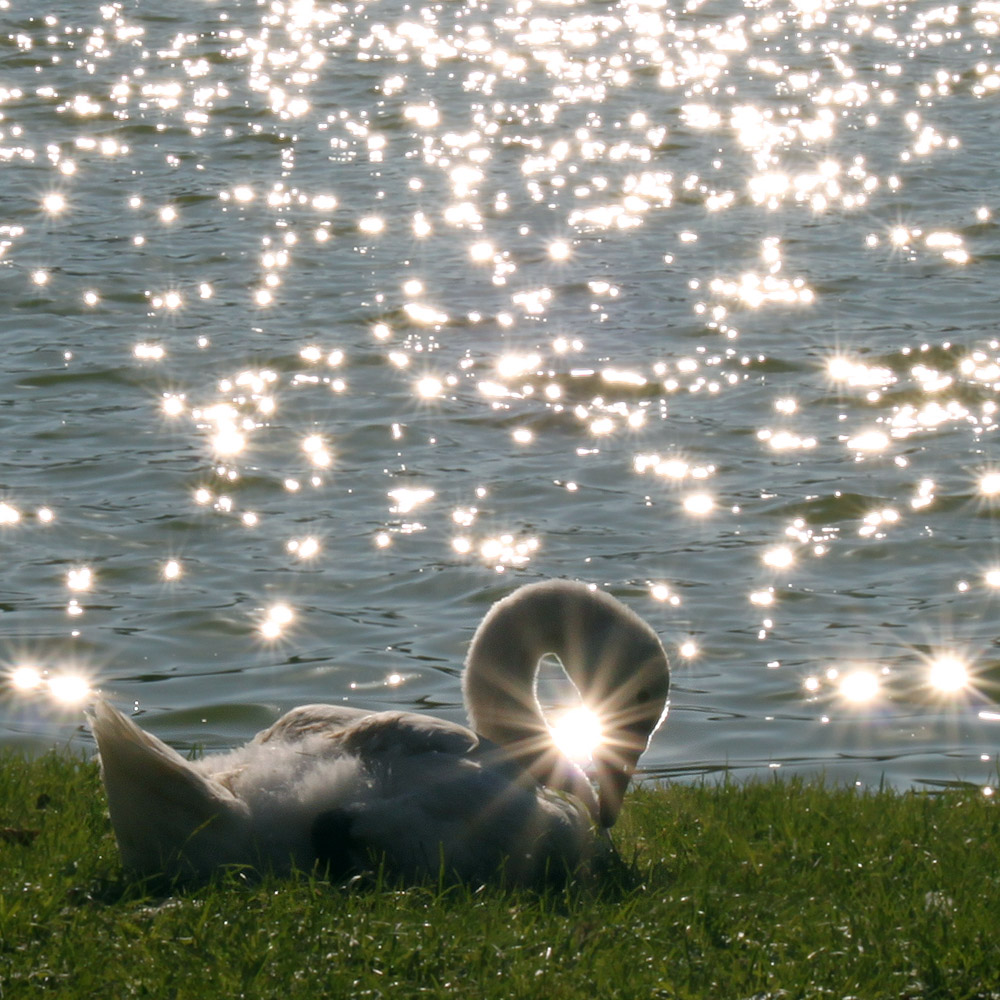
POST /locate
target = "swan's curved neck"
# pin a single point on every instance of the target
(606, 650)
(500, 672)
(499, 685)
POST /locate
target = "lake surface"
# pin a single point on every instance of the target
(325, 325)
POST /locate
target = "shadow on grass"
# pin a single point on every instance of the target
(610, 879)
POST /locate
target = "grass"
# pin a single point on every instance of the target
(762, 890)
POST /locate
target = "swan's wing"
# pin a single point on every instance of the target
(309, 720)
(385, 736)
(443, 799)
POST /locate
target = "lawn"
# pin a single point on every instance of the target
(729, 891)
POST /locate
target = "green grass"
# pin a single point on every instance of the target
(780, 889)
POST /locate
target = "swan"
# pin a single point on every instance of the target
(343, 789)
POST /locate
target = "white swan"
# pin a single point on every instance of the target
(344, 789)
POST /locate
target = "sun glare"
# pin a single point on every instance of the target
(578, 733)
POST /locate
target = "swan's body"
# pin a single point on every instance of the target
(344, 789)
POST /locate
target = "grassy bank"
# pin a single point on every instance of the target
(759, 890)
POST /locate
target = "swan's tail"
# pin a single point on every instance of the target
(167, 817)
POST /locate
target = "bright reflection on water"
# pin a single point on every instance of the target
(860, 686)
(25, 678)
(63, 688)
(373, 311)
(948, 674)
(276, 619)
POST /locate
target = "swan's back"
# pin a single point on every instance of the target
(415, 795)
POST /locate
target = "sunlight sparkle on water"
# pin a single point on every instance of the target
(856, 373)
(661, 592)
(989, 483)
(227, 440)
(26, 678)
(173, 405)
(578, 733)
(481, 252)
(429, 387)
(871, 440)
(859, 687)
(54, 203)
(315, 447)
(80, 579)
(517, 365)
(277, 618)
(780, 557)
(948, 674)
(304, 548)
(69, 689)
(498, 551)
(406, 499)
(699, 503)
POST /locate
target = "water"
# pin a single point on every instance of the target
(326, 325)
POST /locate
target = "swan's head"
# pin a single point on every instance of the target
(630, 704)
(607, 737)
